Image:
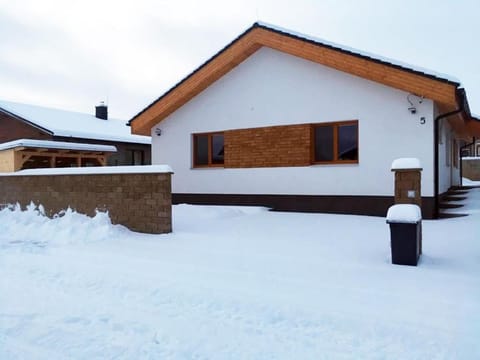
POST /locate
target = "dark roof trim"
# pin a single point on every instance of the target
(19, 118)
(318, 43)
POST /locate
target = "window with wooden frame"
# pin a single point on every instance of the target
(335, 143)
(208, 150)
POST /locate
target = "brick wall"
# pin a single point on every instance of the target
(141, 202)
(471, 169)
(268, 146)
(12, 129)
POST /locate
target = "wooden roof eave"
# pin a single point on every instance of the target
(464, 125)
(193, 84)
(370, 69)
(441, 91)
(458, 126)
(473, 128)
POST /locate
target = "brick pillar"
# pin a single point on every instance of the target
(408, 186)
(408, 189)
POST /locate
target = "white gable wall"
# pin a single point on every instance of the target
(273, 88)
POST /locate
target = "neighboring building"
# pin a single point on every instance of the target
(34, 154)
(472, 149)
(292, 122)
(29, 122)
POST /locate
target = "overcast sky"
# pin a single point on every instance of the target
(74, 54)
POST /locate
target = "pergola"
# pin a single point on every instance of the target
(31, 154)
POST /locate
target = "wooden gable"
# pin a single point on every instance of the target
(440, 90)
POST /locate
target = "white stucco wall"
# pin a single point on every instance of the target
(449, 175)
(444, 166)
(272, 88)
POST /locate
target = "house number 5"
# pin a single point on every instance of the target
(422, 120)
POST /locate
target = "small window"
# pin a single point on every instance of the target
(208, 150)
(136, 157)
(335, 142)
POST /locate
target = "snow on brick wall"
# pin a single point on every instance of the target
(471, 168)
(141, 202)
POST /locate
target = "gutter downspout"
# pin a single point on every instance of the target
(435, 156)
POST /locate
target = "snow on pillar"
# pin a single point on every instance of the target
(408, 176)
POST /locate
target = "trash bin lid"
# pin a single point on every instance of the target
(404, 213)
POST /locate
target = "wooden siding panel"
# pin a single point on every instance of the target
(389, 75)
(7, 160)
(382, 73)
(194, 84)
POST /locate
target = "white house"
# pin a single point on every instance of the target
(292, 122)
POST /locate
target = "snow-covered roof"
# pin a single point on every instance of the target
(361, 53)
(47, 144)
(73, 124)
(404, 213)
(406, 163)
(95, 170)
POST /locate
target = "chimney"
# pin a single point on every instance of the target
(101, 111)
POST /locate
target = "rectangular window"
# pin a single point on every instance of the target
(335, 142)
(136, 157)
(208, 150)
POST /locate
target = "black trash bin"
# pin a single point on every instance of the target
(405, 222)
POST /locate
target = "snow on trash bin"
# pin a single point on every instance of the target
(406, 163)
(404, 213)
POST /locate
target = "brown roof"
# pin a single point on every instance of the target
(439, 88)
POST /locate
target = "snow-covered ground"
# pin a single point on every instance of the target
(236, 283)
(468, 182)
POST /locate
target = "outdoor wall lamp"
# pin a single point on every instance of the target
(158, 131)
(412, 108)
